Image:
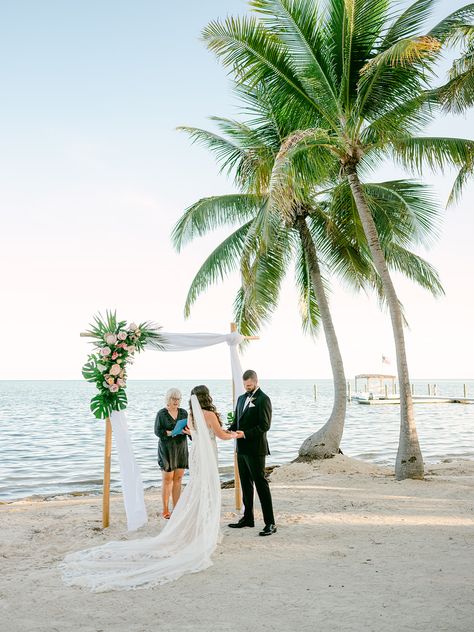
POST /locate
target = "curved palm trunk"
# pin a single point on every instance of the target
(325, 442)
(409, 461)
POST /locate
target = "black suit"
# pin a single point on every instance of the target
(254, 419)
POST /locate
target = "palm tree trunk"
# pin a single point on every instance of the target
(325, 442)
(409, 461)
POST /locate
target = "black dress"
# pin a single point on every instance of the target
(172, 451)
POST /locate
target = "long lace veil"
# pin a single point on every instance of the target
(184, 545)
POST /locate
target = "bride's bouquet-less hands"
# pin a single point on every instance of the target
(115, 346)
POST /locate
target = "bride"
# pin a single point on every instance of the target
(188, 539)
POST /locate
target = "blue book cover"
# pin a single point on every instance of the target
(178, 429)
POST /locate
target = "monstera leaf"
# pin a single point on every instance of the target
(90, 372)
(100, 407)
(120, 400)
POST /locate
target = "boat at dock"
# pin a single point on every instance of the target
(378, 389)
(395, 399)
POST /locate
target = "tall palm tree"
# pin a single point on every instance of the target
(318, 234)
(360, 69)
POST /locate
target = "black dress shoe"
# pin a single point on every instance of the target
(243, 522)
(268, 529)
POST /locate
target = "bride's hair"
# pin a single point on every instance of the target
(205, 400)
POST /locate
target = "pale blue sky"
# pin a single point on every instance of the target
(93, 176)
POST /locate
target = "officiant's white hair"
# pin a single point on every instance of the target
(172, 392)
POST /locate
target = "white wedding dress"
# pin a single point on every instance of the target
(186, 543)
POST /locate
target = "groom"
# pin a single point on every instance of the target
(252, 419)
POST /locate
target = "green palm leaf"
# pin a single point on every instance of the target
(221, 262)
(214, 212)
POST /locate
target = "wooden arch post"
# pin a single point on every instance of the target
(107, 464)
(107, 460)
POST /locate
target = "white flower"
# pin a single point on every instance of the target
(122, 335)
(121, 382)
(132, 326)
(131, 349)
(110, 339)
(115, 369)
(101, 367)
(105, 351)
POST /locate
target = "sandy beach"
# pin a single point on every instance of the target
(355, 550)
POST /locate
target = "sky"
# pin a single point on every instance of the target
(94, 175)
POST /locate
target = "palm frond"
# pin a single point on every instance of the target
(413, 267)
(221, 262)
(214, 212)
(448, 25)
(295, 23)
(409, 23)
(227, 153)
(405, 52)
(259, 57)
(436, 152)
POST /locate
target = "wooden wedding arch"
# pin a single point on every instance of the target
(108, 453)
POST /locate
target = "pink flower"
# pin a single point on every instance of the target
(115, 355)
(121, 382)
(113, 388)
(115, 369)
(122, 335)
(110, 339)
(105, 351)
(131, 349)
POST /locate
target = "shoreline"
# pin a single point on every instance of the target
(226, 483)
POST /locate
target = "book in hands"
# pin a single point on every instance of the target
(178, 429)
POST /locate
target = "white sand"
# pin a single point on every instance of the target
(355, 551)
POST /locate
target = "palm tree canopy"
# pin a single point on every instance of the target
(262, 246)
(356, 74)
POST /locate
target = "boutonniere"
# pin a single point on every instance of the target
(251, 402)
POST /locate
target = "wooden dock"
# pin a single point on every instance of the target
(384, 401)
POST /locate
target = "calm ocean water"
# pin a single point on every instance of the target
(50, 443)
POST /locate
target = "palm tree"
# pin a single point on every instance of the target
(318, 234)
(360, 69)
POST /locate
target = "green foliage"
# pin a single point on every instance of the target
(115, 346)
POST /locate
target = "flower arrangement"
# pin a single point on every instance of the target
(115, 346)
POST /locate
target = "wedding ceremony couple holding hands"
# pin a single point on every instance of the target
(192, 530)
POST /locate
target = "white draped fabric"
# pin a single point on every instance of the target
(186, 543)
(132, 485)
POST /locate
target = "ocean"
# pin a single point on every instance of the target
(51, 444)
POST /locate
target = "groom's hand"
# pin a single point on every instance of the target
(239, 434)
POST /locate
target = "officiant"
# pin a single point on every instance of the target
(172, 451)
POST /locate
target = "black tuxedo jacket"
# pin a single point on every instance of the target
(254, 421)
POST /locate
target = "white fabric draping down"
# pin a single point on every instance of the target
(132, 485)
(185, 544)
